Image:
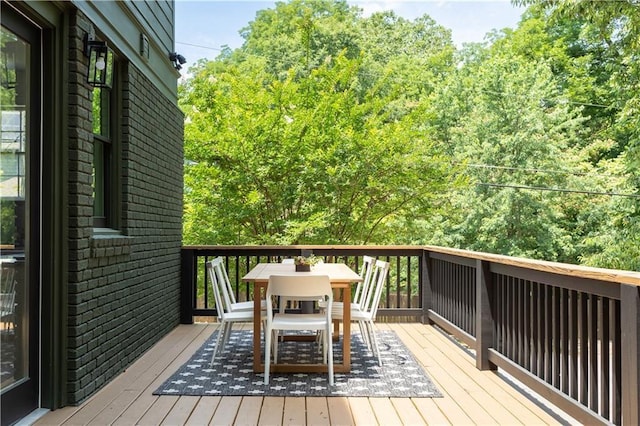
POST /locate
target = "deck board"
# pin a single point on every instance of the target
(470, 397)
(339, 411)
(385, 412)
(362, 411)
(294, 411)
(203, 411)
(249, 411)
(407, 411)
(181, 411)
(158, 411)
(317, 411)
(272, 409)
(227, 411)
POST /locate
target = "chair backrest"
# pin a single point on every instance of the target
(379, 277)
(288, 261)
(222, 303)
(291, 286)
(7, 302)
(8, 283)
(223, 281)
(363, 287)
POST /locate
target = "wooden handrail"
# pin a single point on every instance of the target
(609, 275)
(580, 271)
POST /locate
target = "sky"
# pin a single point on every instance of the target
(204, 26)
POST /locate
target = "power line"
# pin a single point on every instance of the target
(534, 170)
(200, 46)
(561, 100)
(542, 188)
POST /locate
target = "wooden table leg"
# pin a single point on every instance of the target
(257, 324)
(346, 329)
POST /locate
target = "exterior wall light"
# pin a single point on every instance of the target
(100, 72)
(177, 59)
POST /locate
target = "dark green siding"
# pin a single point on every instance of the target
(123, 22)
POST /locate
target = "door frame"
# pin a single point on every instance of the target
(22, 398)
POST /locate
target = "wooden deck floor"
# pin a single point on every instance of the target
(470, 396)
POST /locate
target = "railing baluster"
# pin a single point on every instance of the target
(548, 341)
(564, 340)
(593, 353)
(573, 341)
(498, 280)
(520, 319)
(583, 331)
(526, 324)
(398, 283)
(512, 318)
(535, 329)
(605, 373)
(616, 368)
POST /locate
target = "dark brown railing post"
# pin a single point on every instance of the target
(425, 285)
(188, 268)
(630, 324)
(484, 315)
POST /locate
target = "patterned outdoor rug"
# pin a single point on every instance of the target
(232, 373)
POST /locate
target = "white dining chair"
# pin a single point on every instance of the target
(226, 288)
(360, 293)
(365, 312)
(285, 301)
(314, 286)
(362, 289)
(226, 315)
(8, 301)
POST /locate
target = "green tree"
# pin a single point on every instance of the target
(307, 134)
(303, 161)
(607, 36)
(505, 123)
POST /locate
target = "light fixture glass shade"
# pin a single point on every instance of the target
(100, 72)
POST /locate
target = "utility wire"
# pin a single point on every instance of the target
(528, 169)
(493, 92)
(542, 188)
(200, 46)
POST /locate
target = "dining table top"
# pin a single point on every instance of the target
(340, 275)
(337, 272)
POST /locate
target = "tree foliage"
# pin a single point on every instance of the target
(308, 148)
(328, 127)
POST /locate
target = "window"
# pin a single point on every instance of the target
(104, 158)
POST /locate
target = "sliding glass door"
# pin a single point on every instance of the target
(20, 148)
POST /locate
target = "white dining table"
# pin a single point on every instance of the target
(341, 277)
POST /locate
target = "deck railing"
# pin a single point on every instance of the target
(570, 333)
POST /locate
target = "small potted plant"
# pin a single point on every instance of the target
(304, 263)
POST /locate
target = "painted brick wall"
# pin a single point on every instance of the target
(124, 290)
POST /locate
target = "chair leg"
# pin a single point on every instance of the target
(373, 337)
(328, 353)
(267, 355)
(218, 342)
(276, 341)
(364, 334)
(227, 333)
(323, 345)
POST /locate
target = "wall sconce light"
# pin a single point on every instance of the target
(177, 59)
(100, 72)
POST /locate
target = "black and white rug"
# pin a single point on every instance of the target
(232, 373)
